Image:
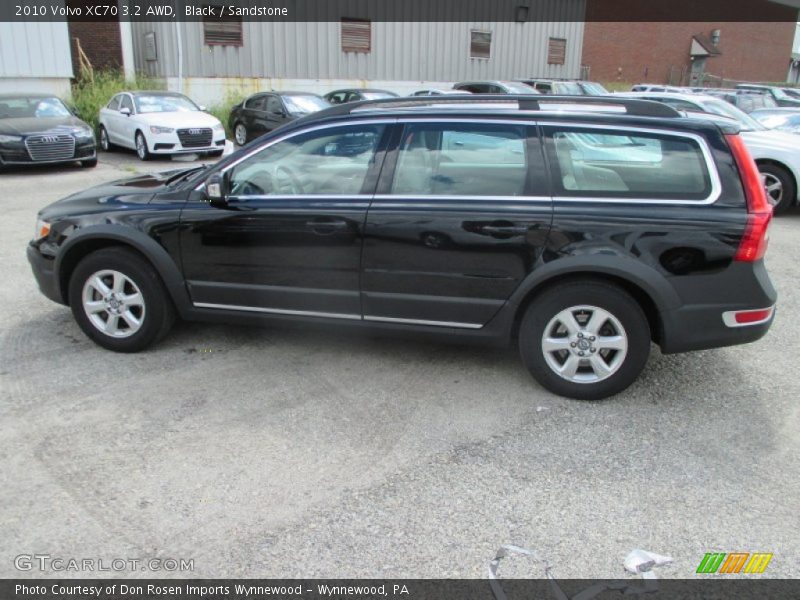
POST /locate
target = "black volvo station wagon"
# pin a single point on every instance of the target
(580, 228)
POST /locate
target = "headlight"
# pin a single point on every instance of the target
(10, 138)
(42, 230)
(156, 129)
(219, 127)
(84, 133)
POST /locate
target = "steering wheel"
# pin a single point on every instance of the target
(282, 171)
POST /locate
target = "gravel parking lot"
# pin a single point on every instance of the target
(296, 453)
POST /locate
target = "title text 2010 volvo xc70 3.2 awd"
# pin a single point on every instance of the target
(582, 229)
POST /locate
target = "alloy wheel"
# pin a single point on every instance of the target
(584, 344)
(113, 303)
(774, 188)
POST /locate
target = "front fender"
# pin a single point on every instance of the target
(147, 246)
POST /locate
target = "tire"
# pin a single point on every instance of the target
(142, 151)
(153, 308)
(89, 164)
(105, 142)
(781, 189)
(615, 352)
(240, 134)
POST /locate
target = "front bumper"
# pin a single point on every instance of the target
(170, 143)
(43, 268)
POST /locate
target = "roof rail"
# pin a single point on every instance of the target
(538, 102)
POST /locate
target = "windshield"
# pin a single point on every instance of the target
(23, 107)
(723, 109)
(305, 104)
(155, 103)
(793, 94)
(377, 95)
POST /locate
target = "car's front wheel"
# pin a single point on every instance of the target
(584, 339)
(119, 301)
(90, 163)
(141, 147)
(240, 134)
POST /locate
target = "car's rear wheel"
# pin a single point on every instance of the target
(240, 134)
(779, 185)
(141, 147)
(584, 339)
(105, 142)
(119, 301)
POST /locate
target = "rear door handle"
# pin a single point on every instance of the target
(327, 225)
(505, 230)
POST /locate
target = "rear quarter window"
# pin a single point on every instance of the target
(629, 165)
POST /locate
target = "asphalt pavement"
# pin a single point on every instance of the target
(297, 453)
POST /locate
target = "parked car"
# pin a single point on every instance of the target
(778, 94)
(159, 123)
(438, 92)
(745, 100)
(554, 86)
(355, 95)
(40, 129)
(592, 88)
(494, 87)
(655, 87)
(263, 112)
(783, 119)
(331, 220)
(776, 152)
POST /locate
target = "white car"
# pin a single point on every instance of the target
(777, 153)
(159, 123)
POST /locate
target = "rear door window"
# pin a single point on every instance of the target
(461, 159)
(636, 165)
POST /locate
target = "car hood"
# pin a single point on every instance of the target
(764, 141)
(179, 119)
(102, 198)
(33, 125)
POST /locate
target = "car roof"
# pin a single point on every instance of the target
(359, 90)
(512, 105)
(152, 93)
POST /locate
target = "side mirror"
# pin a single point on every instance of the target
(217, 189)
(125, 111)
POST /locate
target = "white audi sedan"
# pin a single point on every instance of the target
(159, 123)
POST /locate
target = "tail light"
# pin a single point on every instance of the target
(759, 212)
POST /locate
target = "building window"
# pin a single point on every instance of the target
(557, 51)
(356, 35)
(223, 32)
(480, 44)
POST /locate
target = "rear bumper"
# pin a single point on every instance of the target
(702, 326)
(44, 272)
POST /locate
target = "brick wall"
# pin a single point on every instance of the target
(100, 41)
(647, 52)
